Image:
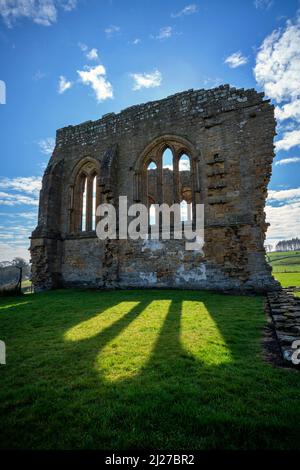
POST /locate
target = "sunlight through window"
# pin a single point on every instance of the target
(200, 335)
(99, 322)
(125, 355)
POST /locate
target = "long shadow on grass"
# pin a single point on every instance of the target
(174, 400)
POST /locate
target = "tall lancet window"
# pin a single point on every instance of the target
(84, 197)
(185, 188)
(83, 206)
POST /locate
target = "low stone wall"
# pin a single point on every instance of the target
(285, 312)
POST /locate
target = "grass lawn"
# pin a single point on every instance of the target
(285, 267)
(142, 369)
(287, 279)
(26, 283)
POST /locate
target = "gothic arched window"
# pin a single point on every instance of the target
(85, 197)
(185, 188)
(166, 173)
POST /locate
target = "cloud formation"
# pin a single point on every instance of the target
(17, 190)
(284, 195)
(146, 80)
(16, 226)
(29, 184)
(63, 84)
(112, 30)
(188, 10)
(164, 33)
(236, 60)
(42, 12)
(283, 213)
(287, 161)
(10, 199)
(47, 145)
(284, 221)
(277, 71)
(263, 4)
(92, 54)
(96, 78)
(9, 251)
(289, 140)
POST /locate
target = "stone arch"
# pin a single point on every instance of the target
(153, 153)
(84, 189)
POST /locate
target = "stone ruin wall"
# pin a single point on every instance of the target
(229, 136)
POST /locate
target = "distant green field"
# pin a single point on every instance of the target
(285, 267)
(288, 279)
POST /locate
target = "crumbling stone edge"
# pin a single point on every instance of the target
(284, 309)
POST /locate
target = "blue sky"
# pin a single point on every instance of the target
(67, 61)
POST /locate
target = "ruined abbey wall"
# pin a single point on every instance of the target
(227, 133)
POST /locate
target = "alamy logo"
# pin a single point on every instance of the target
(163, 221)
(2, 352)
(2, 92)
(296, 354)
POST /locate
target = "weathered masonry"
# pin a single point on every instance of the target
(207, 146)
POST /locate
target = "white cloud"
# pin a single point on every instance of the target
(277, 67)
(287, 161)
(284, 195)
(47, 145)
(92, 54)
(63, 84)
(277, 71)
(32, 215)
(10, 199)
(112, 30)
(16, 226)
(284, 221)
(96, 78)
(283, 213)
(278, 63)
(136, 41)
(15, 230)
(164, 33)
(236, 60)
(146, 80)
(288, 111)
(43, 12)
(29, 184)
(263, 4)
(27, 215)
(68, 5)
(289, 140)
(9, 251)
(184, 164)
(188, 10)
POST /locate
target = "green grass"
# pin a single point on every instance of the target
(142, 369)
(279, 255)
(288, 279)
(26, 283)
(285, 267)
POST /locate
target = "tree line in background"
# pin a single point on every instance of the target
(288, 245)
